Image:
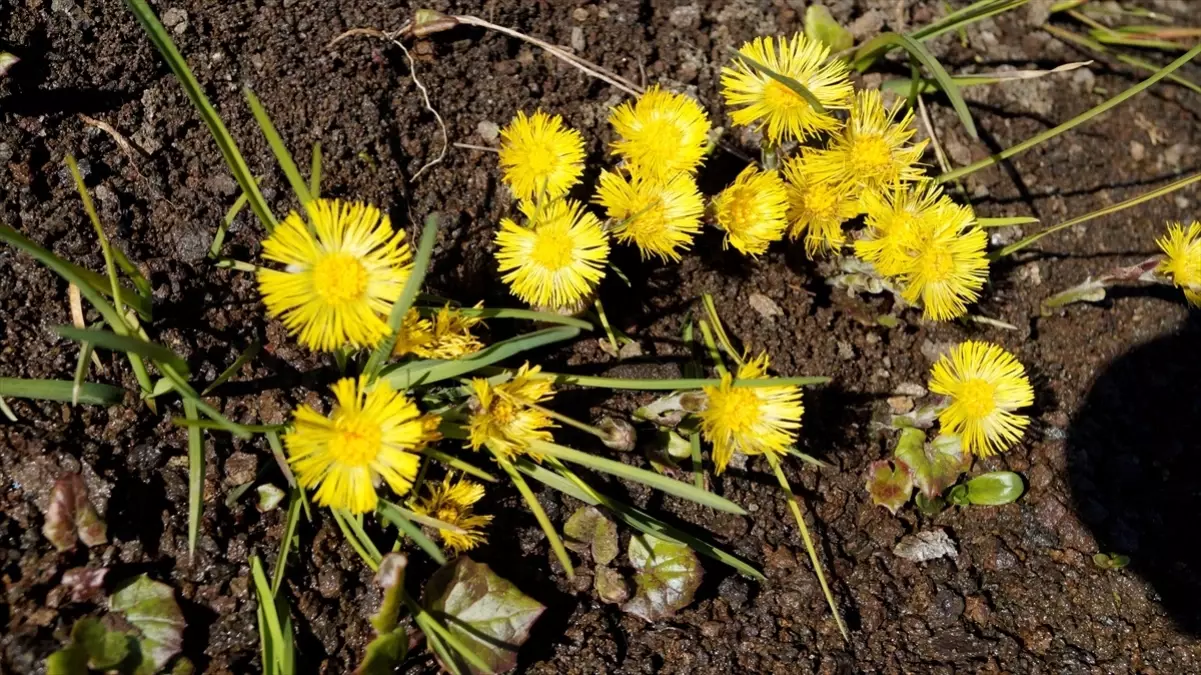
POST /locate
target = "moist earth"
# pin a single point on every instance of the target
(1109, 461)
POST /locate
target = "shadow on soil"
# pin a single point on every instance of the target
(1135, 467)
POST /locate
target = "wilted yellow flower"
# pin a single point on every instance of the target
(541, 157)
(872, 151)
(1182, 259)
(947, 271)
(661, 134)
(447, 335)
(659, 217)
(817, 208)
(752, 210)
(984, 385)
(750, 420)
(341, 277)
(501, 417)
(370, 435)
(453, 502)
(770, 105)
(558, 259)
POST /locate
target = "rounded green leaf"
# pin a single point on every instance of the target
(994, 489)
(667, 575)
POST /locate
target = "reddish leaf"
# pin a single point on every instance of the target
(889, 483)
(71, 515)
(667, 575)
(85, 583)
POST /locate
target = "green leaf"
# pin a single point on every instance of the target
(384, 653)
(70, 660)
(299, 186)
(668, 485)
(935, 466)
(667, 575)
(487, 613)
(429, 371)
(821, 26)
(1111, 561)
(106, 649)
(527, 314)
(7, 61)
(195, 475)
(918, 51)
(124, 343)
(245, 357)
(60, 390)
(387, 650)
(994, 489)
(421, 265)
(976, 11)
(589, 530)
(225, 143)
(889, 483)
(150, 606)
(390, 513)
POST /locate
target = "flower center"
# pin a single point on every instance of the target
(736, 409)
(741, 209)
(937, 264)
(978, 398)
(356, 442)
(870, 155)
(541, 159)
(778, 97)
(339, 278)
(552, 249)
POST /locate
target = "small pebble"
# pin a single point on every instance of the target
(910, 389)
(577, 39)
(240, 468)
(900, 404)
(766, 307)
(1137, 151)
(488, 131)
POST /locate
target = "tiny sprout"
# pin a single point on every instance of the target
(1111, 561)
(619, 434)
(269, 497)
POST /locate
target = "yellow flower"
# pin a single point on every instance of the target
(984, 385)
(1182, 259)
(750, 420)
(342, 276)
(453, 503)
(947, 271)
(752, 210)
(660, 217)
(445, 336)
(369, 436)
(894, 218)
(817, 208)
(540, 156)
(557, 260)
(662, 134)
(872, 150)
(501, 417)
(770, 105)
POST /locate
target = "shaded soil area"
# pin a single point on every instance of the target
(1110, 460)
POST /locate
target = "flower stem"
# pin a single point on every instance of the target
(543, 520)
(600, 312)
(569, 421)
(800, 519)
(714, 352)
(1074, 122)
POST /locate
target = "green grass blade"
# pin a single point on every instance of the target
(245, 357)
(81, 371)
(676, 384)
(226, 223)
(798, 88)
(1113, 208)
(285, 545)
(299, 186)
(1128, 59)
(1006, 222)
(976, 11)
(634, 517)
(458, 464)
(421, 263)
(388, 512)
(195, 476)
(266, 646)
(657, 481)
(91, 393)
(355, 524)
(531, 500)
(352, 539)
(7, 411)
(225, 143)
(109, 265)
(528, 314)
(315, 172)
(124, 343)
(428, 371)
(420, 519)
(186, 391)
(945, 82)
(266, 601)
(430, 624)
(1075, 121)
(209, 424)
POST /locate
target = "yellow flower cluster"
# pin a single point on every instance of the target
(506, 417)
(750, 420)
(984, 385)
(555, 256)
(1182, 259)
(446, 335)
(453, 503)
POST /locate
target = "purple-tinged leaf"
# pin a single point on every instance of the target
(151, 608)
(589, 529)
(936, 465)
(71, 515)
(889, 483)
(85, 583)
(611, 586)
(487, 613)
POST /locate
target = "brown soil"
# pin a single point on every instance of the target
(1110, 460)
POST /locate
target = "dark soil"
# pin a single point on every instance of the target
(1110, 461)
